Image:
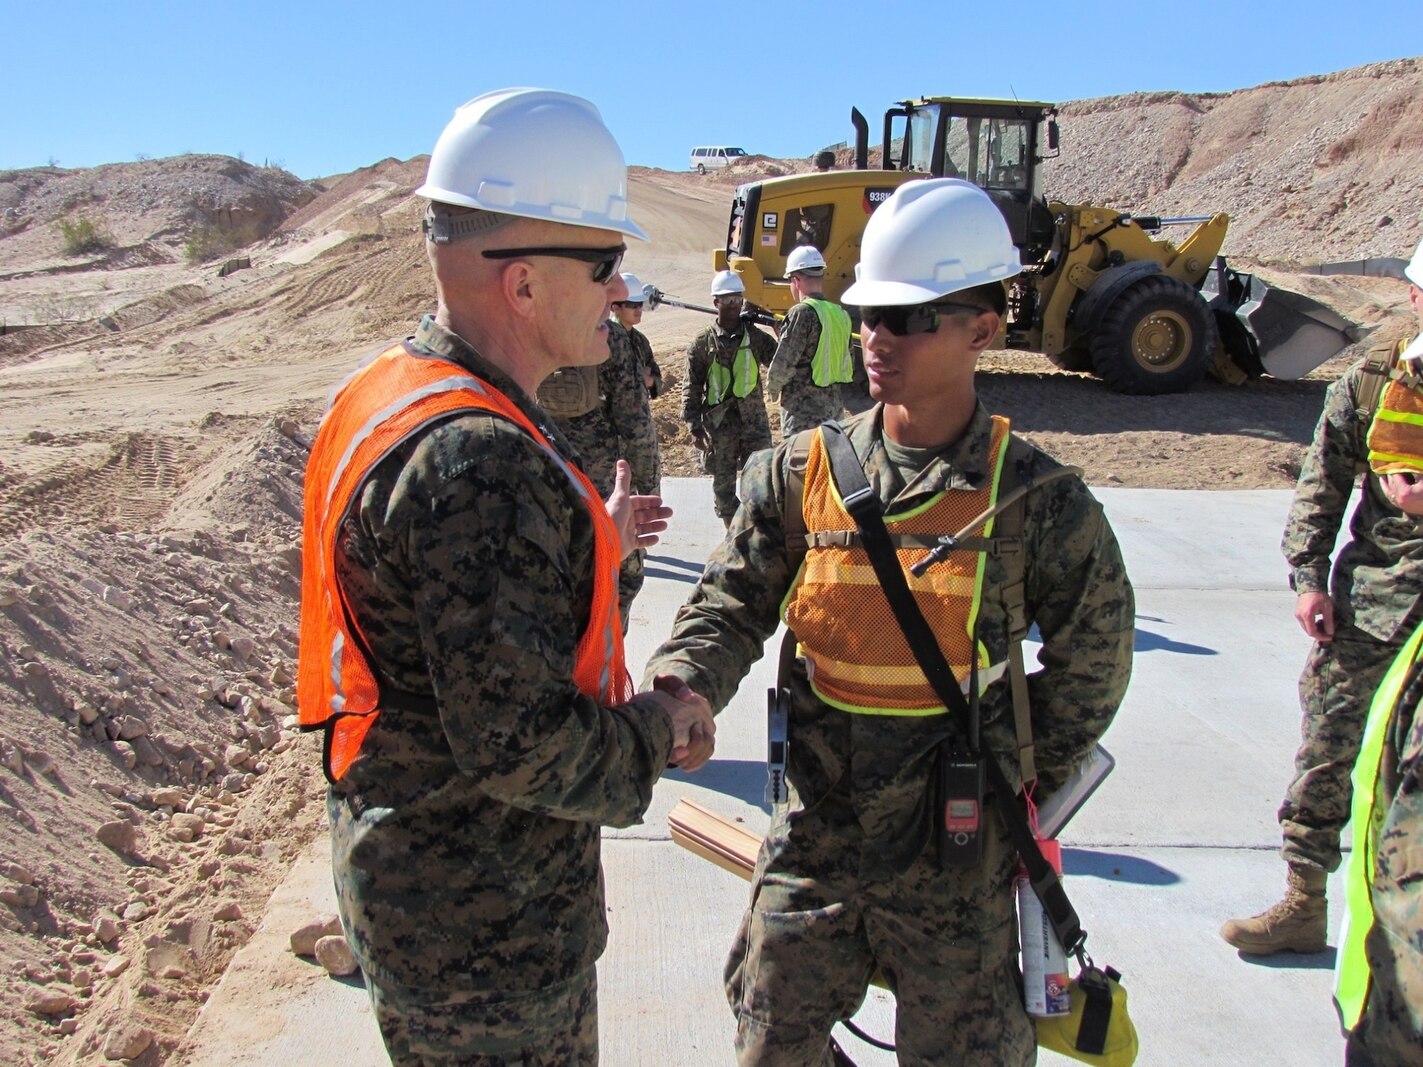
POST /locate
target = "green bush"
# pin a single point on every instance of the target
(83, 235)
(207, 243)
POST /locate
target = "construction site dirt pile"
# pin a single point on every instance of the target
(152, 786)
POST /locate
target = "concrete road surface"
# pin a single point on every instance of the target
(1181, 836)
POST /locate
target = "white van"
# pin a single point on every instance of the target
(714, 157)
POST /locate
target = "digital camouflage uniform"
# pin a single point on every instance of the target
(736, 427)
(1390, 1034)
(847, 881)
(803, 403)
(620, 427)
(646, 360)
(1376, 582)
(465, 837)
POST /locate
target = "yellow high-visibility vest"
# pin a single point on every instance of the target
(831, 364)
(739, 380)
(1369, 810)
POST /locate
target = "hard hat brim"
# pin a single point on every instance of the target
(592, 222)
(888, 294)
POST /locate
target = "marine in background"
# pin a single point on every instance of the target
(722, 402)
(629, 315)
(812, 359)
(604, 413)
(1379, 970)
(1358, 617)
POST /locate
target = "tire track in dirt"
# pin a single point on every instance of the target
(132, 488)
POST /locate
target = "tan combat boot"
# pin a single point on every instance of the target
(1299, 923)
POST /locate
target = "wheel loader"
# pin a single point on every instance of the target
(1100, 290)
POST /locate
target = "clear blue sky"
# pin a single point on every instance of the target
(322, 88)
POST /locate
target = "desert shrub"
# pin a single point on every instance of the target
(83, 235)
(207, 242)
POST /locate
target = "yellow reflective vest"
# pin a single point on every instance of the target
(1370, 809)
(857, 656)
(831, 364)
(739, 381)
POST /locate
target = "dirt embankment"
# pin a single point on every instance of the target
(152, 788)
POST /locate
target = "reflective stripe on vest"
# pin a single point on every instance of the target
(1369, 809)
(380, 406)
(856, 655)
(1396, 432)
(831, 364)
(741, 379)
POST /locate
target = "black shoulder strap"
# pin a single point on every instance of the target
(864, 507)
(793, 507)
(1379, 363)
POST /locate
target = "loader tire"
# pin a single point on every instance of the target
(1076, 357)
(1156, 337)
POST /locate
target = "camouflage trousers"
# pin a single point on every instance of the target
(1335, 690)
(804, 406)
(556, 1027)
(945, 943)
(731, 446)
(630, 579)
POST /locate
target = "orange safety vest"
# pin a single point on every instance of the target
(857, 656)
(379, 407)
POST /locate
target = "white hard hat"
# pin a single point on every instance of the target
(931, 238)
(727, 282)
(1414, 271)
(636, 290)
(805, 257)
(533, 153)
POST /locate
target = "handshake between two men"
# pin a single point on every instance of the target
(639, 520)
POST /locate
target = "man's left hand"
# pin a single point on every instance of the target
(639, 519)
(1404, 490)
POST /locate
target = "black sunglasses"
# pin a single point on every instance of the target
(907, 319)
(606, 261)
(628, 304)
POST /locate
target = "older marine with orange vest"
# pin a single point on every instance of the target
(460, 645)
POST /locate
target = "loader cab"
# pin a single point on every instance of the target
(771, 218)
(999, 145)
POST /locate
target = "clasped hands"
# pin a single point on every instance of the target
(693, 728)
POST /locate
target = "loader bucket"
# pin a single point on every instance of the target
(1273, 331)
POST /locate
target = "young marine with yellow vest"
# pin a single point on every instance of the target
(1359, 617)
(848, 881)
(812, 360)
(721, 398)
(460, 643)
(1379, 971)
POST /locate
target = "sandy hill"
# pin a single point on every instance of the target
(1318, 169)
(153, 439)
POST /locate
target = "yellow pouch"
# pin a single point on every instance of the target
(1097, 1028)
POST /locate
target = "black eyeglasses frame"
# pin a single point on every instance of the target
(906, 320)
(606, 261)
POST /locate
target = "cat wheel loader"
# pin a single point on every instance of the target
(1100, 291)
